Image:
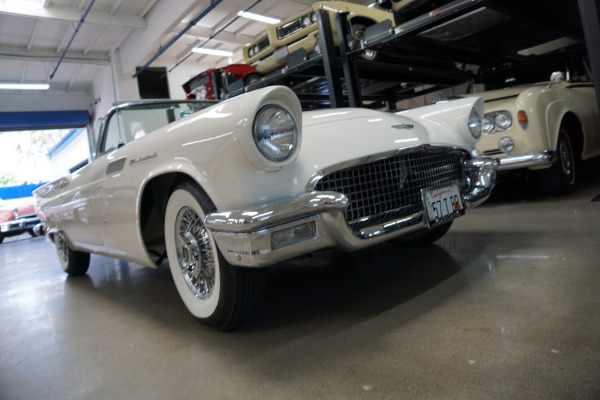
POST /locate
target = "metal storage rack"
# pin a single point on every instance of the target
(413, 57)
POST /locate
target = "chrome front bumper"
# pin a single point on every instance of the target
(19, 225)
(248, 237)
(527, 160)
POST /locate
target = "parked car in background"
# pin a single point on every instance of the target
(548, 126)
(201, 86)
(269, 51)
(17, 217)
(225, 189)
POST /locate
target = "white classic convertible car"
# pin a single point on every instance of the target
(224, 189)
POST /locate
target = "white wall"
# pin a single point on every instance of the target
(76, 152)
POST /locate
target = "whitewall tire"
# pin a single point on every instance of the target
(218, 294)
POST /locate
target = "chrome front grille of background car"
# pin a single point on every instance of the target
(390, 188)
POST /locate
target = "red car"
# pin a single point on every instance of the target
(200, 87)
(17, 217)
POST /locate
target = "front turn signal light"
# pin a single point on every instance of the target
(522, 118)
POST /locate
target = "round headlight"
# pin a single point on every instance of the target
(251, 52)
(487, 124)
(313, 17)
(255, 48)
(475, 124)
(306, 20)
(503, 120)
(275, 133)
(506, 144)
(15, 213)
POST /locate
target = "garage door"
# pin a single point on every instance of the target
(19, 121)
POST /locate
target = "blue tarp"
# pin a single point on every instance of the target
(15, 192)
(31, 120)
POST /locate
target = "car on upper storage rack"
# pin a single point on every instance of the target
(547, 126)
(201, 86)
(269, 51)
(17, 217)
(223, 189)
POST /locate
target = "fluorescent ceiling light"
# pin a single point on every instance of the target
(258, 17)
(25, 86)
(212, 52)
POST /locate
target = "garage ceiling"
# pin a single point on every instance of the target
(35, 33)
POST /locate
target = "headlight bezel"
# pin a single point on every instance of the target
(269, 146)
(474, 123)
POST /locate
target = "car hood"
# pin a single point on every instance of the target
(505, 93)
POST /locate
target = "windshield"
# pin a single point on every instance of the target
(133, 121)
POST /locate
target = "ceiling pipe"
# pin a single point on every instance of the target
(213, 4)
(72, 37)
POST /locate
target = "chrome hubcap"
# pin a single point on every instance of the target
(61, 245)
(195, 253)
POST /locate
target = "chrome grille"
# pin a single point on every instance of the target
(390, 188)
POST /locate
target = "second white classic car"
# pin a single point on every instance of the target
(225, 189)
(548, 126)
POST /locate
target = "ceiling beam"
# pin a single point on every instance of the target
(39, 55)
(224, 36)
(69, 14)
(33, 33)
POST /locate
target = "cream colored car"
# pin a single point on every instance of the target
(548, 127)
(269, 51)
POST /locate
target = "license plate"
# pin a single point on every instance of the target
(442, 204)
(280, 54)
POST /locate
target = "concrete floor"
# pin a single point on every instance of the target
(505, 306)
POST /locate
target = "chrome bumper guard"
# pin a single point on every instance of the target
(527, 160)
(271, 233)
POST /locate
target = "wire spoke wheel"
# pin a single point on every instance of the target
(195, 254)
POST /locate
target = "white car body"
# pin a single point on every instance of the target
(551, 110)
(115, 206)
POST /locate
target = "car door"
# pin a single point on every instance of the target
(115, 190)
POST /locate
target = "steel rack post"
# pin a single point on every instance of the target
(332, 74)
(350, 76)
(590, 18)
(217, 82)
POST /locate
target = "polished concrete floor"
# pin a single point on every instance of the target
(505, 306)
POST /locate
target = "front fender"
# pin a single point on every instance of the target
(448, 121)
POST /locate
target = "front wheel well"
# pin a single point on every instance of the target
(153, 204)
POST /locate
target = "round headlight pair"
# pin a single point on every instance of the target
(497, 121)
(275, 133)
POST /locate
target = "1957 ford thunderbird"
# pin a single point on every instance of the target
(223, 189)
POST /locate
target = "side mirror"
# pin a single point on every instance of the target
(556, 77)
